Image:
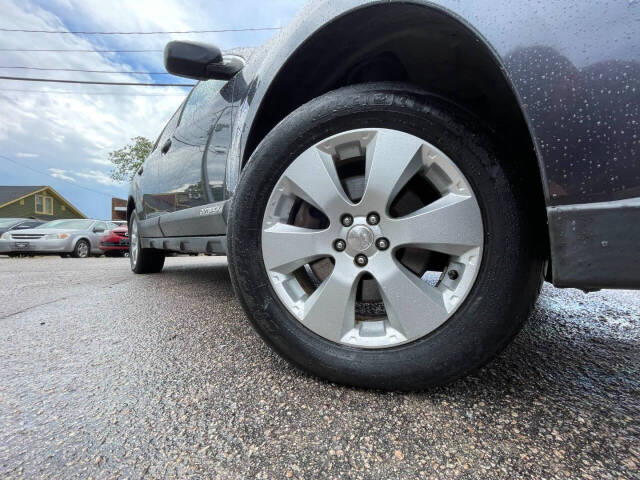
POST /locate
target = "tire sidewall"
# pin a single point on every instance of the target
(495, 307)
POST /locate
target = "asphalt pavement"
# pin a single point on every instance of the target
(104, 374)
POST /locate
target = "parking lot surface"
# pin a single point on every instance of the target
(109, 375)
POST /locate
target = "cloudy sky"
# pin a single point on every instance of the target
(63, 138)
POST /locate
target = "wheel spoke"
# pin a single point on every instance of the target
(451, 225)
(413, 306)
(286, 248)
(330, 310)
(313, 178)
(391, 161)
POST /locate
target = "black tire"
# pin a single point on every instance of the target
(82, 249)
(507, 283)
(148, 260)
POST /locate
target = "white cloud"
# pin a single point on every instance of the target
(97, 176)
(57, 133)
(70, 135)
(61, 174)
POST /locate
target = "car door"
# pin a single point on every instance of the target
(192, 166)
(150, 193)
(95, 234)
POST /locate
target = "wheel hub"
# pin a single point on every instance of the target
(361, 238)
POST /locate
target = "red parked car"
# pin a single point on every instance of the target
(115, 241)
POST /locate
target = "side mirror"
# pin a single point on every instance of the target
(98, 230)
(199, 61)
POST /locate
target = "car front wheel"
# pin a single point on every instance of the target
(378, 239)
(82, 249)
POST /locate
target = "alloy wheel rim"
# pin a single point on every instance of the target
(83, 250)
(365, 240)
(133, 244)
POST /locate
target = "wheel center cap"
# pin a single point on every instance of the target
(360, 238)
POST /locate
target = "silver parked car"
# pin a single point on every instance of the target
(76, 237)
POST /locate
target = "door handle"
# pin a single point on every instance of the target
(166, 146)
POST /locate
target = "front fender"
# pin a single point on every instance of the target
(75, 240)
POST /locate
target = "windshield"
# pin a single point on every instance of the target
(5, 222)
(70, 224)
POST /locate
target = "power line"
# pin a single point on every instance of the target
(96, 93)
(85, 82)
(55, 178)
(81, 50)
(75, 50)
(84, 71)
(225, 30)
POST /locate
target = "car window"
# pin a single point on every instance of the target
(112, 225)
(25, 225)
(31, 224)
(70, 224)
(198, 98)
(7, 222)
(169, 127)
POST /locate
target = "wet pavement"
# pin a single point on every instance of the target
(104, 374)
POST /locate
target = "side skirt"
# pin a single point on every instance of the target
(213, 245)
(596, 245)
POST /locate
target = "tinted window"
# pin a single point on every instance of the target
(199, 98)
(169, 127)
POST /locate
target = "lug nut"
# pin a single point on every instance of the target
(453, 274)
(339, 245)
(373, 219)
(361, 260)
(382, 243)
(347, 220)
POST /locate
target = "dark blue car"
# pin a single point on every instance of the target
(392, 181)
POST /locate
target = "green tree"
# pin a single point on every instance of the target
(128, 159)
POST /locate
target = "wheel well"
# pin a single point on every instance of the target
(81, 238)
(400, 42)
(131, 205)
(411, 43)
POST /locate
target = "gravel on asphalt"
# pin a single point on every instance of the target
(104, 374)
